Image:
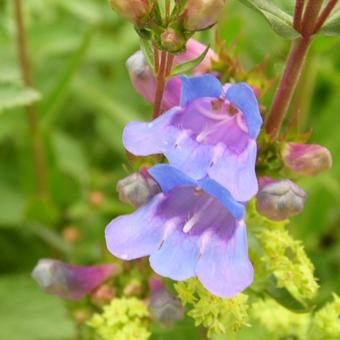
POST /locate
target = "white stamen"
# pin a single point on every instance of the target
(191, 222)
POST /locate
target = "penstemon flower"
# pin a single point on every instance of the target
(144, 80)
(212, 133)
(193, 228)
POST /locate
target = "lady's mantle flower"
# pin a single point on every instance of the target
(193, 228)
(212, 133)
(69, 281)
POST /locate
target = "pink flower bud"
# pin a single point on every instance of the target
(136, 11)
(201, 14)
(69, 281)
(306, 159)
(144, 80)
(279, 199)
(137, 189)
(164, 306)
(172, 40)
(103, 295)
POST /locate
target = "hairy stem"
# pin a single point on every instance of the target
(31, 113)
(284, 94)
(298, 14)
(324, 15)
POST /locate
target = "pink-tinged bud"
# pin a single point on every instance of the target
(137, 189)
(201, 14)
(279, 199)
(69, 281)
(144, 80)
(164, 306)
(103, 295)
(136, 11)
(172, 40)
(306, 159)
(133, 288)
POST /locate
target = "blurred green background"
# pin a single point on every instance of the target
(78, 51)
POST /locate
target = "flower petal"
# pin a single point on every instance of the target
(143, 139)
(169, 177)
(223, 196)
(177, 257)
(224, 268)
(199, 86)
(243, 97)
(138, 234)
(236, 172)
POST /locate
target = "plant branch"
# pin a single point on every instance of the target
(298, 14)
(161, 79)
(324, 15)
(310, 17)
(31, 113)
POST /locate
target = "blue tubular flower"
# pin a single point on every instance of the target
(191, 228)
(212, 133)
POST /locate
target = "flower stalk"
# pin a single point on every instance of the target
(307, 25)
(31, 112)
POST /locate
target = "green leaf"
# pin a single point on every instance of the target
(332, 25)
(280, 21)
(189, 65)
(284, 298)
(12, 206)
(148, 52)
(15, 95)
(27, 313)
(70, 156)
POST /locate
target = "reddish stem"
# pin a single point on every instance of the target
(156, 58)
(32, 119)
(160, 85)
(170, 61)
(324, 15)
(298, 14)
(310, 17)
(284, 94)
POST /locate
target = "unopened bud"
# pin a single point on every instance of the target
(97, 198)
(137, 189)
(71, 234)
(69, 281)
(136, 11)
(201, 14)
(306, 159)
(133, 288)
(164, 306)
(172, 40)
(279, 200)
(103, 295)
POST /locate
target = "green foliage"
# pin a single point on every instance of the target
(218, 315)
(122, 319)
(332, 25)
(280, 21)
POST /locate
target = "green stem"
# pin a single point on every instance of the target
(31, 113)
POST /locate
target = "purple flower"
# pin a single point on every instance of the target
(69, 281)
(212, 133)
(193, 228)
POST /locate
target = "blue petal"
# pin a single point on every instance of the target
(177, 257)
(243, 97)
(143, 139)
(223, 195)
(169, 177)
(200, 86)
(138, 234)
(224, 268)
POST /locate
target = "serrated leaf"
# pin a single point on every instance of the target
(189, 65)
(332, 25)
(15, 95)
(280, 21)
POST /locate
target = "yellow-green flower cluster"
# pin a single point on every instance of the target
(283, 256)
(216, 314)
(279, 321)
(282, 323)
(122, 319)
(326, 322)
